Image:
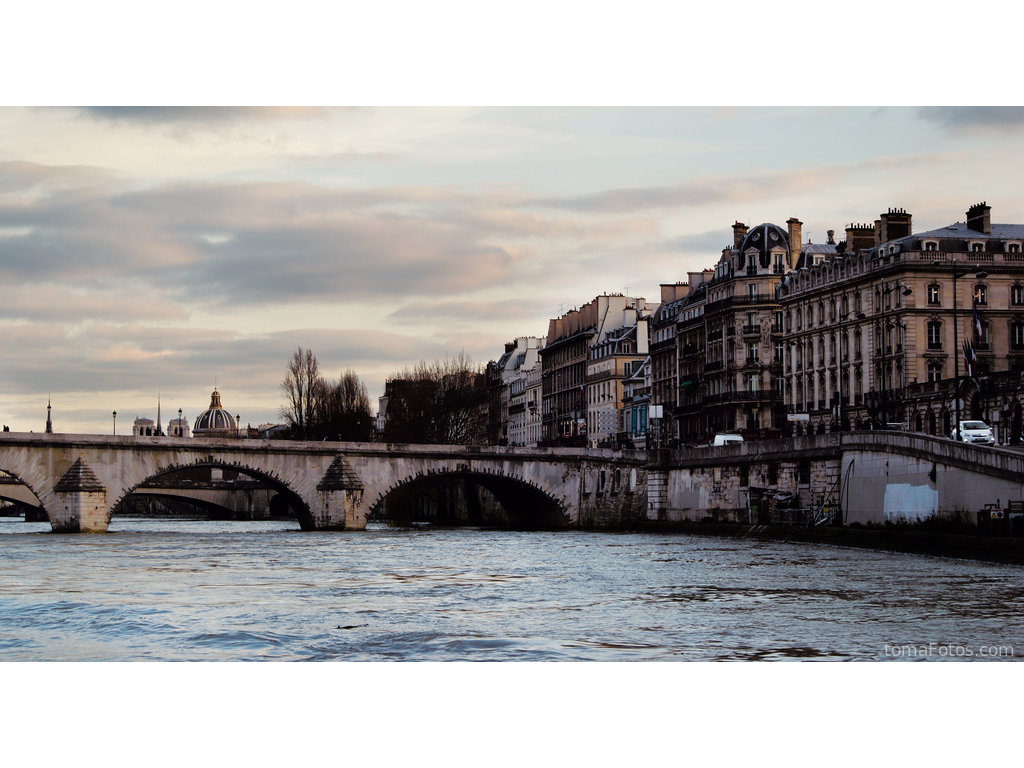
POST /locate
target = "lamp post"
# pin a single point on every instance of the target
(115, 423)
(906, 291)
(980, 274)
(179, 422)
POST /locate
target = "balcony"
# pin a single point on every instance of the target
(716, 366)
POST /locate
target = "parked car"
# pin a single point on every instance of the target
(974, 432)
(727, 439)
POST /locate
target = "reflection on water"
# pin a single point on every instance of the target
(219, 590)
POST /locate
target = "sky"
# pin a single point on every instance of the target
(157, 252)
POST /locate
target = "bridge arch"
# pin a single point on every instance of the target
(283, 490)
(10, 482)
(526, 505)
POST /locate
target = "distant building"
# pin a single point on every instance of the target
(178, 428)
(143, 427)
(583, 366)
(215, 421)
(506, 384)
(273, 431)
(636, 401)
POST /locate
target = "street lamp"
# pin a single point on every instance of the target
(179, 422)
(115, 423)
(906, 291)
(980, 274)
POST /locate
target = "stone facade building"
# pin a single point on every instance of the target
(664, 350)
(507, 381)
(732, 347)
(583, 365)
(875, 334)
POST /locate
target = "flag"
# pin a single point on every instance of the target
(977, 323)
(970, 358)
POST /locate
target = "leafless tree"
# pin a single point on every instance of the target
(442, 402)
(343, 411)
(302, 387)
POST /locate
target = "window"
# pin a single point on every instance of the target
(1013, 248)
(1017, 295)
(980, 295)
(931, 245)
(778, 351)
(934, 335)
(1017, 336)
(977, 247)
(752, 291)
(933, 294)
(752, 353)
(983, 341)
(753, 382)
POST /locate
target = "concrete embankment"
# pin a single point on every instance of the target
(970, 547)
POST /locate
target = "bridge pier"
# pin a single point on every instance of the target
(339, 499)
(81, 502)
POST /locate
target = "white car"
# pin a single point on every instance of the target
(727, 439)
(974, 432)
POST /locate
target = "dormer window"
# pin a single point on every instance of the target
(977, 246)
(931, 245)
(1013, 247)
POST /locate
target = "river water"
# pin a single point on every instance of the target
(209, 590)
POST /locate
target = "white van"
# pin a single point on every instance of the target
(727, 440)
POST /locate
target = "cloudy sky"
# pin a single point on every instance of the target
(151, 250)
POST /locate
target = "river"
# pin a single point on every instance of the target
(207, 590)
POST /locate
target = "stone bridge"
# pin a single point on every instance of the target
(77, 480)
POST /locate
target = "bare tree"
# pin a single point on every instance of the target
(302, 387)
(343, 411)
(441, 402)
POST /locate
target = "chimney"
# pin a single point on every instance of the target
(795, 230)
(831, 237)
(878, 232)
(673, 291)
(979, 218)
(894, 224)
(739, 231)
(859, 237)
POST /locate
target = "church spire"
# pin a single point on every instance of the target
(49, 424)
(159, 429)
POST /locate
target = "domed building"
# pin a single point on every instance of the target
(734, 345)
(765, 246)
(215, 421)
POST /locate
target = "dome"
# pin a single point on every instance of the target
(763, 238)
(215, 421)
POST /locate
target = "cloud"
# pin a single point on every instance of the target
(973, 117)
(468, 311)
(200, 115)
(224, 244)
(701, 191)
